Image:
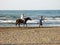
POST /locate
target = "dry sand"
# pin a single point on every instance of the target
(30, 35)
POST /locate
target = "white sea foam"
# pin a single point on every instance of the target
(13, 21)
(52, 20)
(7, 21)
(31, 21)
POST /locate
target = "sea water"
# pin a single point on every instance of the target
(51, 17)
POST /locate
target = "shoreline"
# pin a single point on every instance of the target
(29, 28)
(34, 27)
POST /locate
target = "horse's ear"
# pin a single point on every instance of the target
(28, 17)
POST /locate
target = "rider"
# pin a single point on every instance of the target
(22, 16)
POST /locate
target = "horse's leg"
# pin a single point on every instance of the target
(26, 24)
(23, 25)
(16, 24)
(19, 25)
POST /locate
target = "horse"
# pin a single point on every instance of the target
(19, 21)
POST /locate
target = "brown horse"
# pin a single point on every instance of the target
(19, 21)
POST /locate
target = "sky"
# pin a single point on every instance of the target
(29, 4)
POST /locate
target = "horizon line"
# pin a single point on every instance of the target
(41, 9)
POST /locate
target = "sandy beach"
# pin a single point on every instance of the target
(30, 35)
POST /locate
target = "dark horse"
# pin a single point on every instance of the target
(19, 21)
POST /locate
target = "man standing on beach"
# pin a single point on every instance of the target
(40, 24)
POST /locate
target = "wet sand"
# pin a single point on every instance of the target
(30, 35)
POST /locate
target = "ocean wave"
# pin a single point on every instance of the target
(7, 21)
(31, 21)
(52, 18)
(14, 21)
(47, 19)
(8, 17)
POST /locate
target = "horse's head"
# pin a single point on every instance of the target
(28, 18)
